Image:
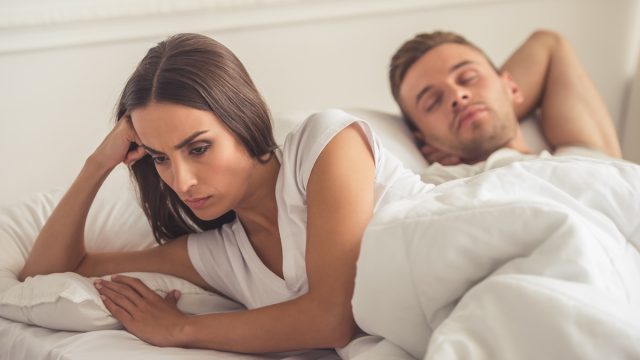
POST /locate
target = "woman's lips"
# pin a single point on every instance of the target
(197, 203)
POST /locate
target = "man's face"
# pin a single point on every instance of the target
(459, 103)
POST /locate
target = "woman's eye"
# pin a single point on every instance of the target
(200, 150)
(159, 160)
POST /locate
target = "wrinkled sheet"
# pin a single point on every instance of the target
(22, 341)
(536, 260)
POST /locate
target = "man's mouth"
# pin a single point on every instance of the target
(467, 116)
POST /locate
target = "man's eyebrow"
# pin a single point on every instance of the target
(455, 67)
(182, 143)
(460, 64)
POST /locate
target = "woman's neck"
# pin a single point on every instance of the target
(258, 211)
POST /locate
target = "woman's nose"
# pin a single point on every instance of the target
(183, 178)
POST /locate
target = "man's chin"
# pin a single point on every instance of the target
(477, 152)
(480, 147)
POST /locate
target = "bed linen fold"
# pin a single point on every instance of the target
(535, 260)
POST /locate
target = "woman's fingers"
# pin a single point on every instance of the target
(121, 294)
(135, 283)
(118, 304)
(144, 313)
(117, 310)
(134, 155)
(136, 151)
(172, 298)
(117, 145)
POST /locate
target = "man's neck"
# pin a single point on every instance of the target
(516, 143)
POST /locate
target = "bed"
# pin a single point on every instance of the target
(305, 56)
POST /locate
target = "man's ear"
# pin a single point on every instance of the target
(514, 90)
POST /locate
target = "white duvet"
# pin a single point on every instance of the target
(536, 260)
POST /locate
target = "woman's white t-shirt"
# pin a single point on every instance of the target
(225, 257)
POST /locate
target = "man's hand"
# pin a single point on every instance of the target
(435, 155)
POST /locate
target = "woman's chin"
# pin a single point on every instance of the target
(208, 214)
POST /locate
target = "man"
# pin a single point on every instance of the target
(463, 110)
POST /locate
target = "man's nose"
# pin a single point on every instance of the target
(460, 97)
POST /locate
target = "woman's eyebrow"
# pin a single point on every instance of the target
(189, 139)
(180, 145)
(150, 150)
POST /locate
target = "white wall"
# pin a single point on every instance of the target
(631, 130)
(62, 67)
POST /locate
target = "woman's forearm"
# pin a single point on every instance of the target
(59, 246)
(303, 323)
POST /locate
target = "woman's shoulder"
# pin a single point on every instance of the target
(322, 121)
(329, 115)
(304, 144)
(319, 128)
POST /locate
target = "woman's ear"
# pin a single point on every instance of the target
(517, 96)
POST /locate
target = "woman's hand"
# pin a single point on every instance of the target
(121, 145)
(141, 311)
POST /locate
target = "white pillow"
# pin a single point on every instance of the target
(69, 301)
(397, 138)
(532, 133)
(390, 128)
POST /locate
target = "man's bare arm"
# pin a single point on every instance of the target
(551, 77)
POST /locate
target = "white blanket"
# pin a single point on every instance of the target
(537, 260)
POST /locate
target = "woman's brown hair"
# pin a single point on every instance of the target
(199, 72)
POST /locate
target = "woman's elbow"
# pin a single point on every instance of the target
(344, 336)
(338, 337)
(26, 273)
(340, 327)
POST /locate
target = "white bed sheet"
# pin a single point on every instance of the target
(536, 260)
(19, 341)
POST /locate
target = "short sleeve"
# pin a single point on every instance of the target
(304, 144)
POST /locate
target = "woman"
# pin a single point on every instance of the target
(277, 230)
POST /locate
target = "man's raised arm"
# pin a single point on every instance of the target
(551, 77)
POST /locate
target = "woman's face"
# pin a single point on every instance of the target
(196, 155)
